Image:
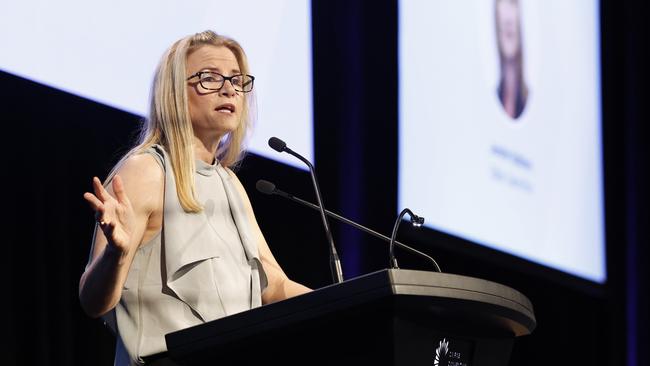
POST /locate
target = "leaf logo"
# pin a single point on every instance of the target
(441, 351)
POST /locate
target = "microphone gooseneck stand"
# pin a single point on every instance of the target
(269, 188)
(416, 221)
(335, 263)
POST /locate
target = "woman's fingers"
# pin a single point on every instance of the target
(101, 202)
(97, 206)
(94, 202)
(109, 211)
(118, 188)
(100, 191)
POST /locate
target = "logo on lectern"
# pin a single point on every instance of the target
(441, 352)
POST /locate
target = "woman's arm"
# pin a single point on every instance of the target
(280, 287)
(122, 210)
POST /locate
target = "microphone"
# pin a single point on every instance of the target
(279, 145)
(269, 188)
(416, 221)
(335, 263)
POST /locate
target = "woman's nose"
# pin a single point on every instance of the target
(228, 89)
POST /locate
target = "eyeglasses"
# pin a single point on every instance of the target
(214, 81)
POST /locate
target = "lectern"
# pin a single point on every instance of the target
(388, 317)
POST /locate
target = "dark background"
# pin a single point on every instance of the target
(53, 143)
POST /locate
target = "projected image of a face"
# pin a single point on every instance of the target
(512, 89)
(507, 15)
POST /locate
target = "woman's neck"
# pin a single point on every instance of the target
(206, 149)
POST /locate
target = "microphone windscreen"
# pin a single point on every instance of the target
(277, 144)
(265, 186)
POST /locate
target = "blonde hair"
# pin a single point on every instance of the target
(169, 123)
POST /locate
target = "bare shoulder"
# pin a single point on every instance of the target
(143, 180)
(141, 169)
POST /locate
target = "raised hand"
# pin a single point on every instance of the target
(114, 214)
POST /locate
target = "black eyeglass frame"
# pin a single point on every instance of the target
(225, 78)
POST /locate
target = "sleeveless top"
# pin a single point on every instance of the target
(200, 267)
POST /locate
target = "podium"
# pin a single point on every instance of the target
(388, 317)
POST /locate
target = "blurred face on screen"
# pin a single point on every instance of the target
(213, 111)
(507, 17)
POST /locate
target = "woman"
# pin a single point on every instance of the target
(178, 243)
(512, 89)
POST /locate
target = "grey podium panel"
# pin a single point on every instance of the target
(391, 317)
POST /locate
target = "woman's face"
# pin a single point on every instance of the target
(215, 112)
(507, 16)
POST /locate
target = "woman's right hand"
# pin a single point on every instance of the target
(125, 210)
(114, 214)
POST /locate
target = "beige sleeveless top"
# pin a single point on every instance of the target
(202, 266)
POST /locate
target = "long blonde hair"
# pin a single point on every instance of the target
(169, 123)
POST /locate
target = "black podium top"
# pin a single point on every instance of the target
(458, 303)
